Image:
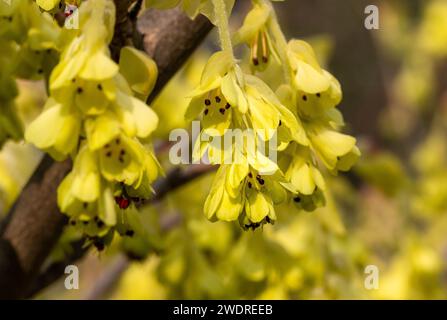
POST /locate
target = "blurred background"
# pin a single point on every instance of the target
(390, 211)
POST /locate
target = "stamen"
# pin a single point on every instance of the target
(99, 87)
(109, 154)
(265, 48)
(80, 90)
(305, 98)
(206, 111)
(222, 110)
(218, 99)
(130, 233)
(318, 95)
(249, 185)
(297, 199)
(207, 102)
(227, 106)
(99, 246)
(254, 50)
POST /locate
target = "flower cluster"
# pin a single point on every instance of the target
(93, 115)
(28, 50)
(297, 108)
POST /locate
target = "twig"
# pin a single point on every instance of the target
(178, 177)
(108, 280)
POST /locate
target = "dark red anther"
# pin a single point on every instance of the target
(122, 202)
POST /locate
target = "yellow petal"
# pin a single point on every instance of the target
(259, 206)
(98, 67)
(139, 70)
(233, 93)
(101, 130)
(330, 145)
(56, 127)
(229, 208)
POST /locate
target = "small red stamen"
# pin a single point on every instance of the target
(122, 202)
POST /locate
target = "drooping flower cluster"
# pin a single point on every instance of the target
(94, 116)
(297, 109)
(27, 50)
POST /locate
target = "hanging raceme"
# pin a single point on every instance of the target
(300, 111)
(95, 116)
(28, 50)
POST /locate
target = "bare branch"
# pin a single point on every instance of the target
(179, 177)
(109, 279)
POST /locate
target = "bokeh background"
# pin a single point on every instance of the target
(390, 211)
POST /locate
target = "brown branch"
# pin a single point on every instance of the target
(177, 178)
(109, 278)
(34, 226)
(159, 39)
(35, 223)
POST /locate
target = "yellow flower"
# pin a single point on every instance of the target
(308, 75)
(225, 95)
(302, 172)
(217, 95)
(139, 70)
(85, 197)
(191, 7)
(241, 192)
(48, 5)
(86, 74)
(304, 180)
(12, 26)
(56, 130)
(255, 32)
(83, 183)
(337, 151)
